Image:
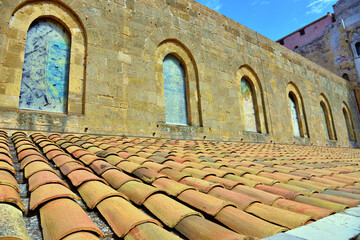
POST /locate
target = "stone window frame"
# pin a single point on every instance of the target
(348, 121)
(324, 103)
(300, 108)
(22, 17)
(182, 53)
(250, 75)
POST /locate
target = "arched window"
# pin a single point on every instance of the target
(45, 76)
(294, 114)
(249, 106)
(175, 91)
(346, 77)
(357, 47)
(326, 120)
(348, 122)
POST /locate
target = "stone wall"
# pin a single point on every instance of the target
(116, 81)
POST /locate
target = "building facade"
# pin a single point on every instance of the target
(163, 68)
(332, 41)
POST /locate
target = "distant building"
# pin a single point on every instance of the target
(332, 41)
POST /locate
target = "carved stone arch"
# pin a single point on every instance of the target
(348, 121)
(181, 52)
(250, 75)
(164, 34)
(300, 108)
(329, 120)
(23, 16)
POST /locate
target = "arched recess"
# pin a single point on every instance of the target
(297, 111)
(246, 77)
(328, 121)
(348, 122)
(172, 47)
(20, 22)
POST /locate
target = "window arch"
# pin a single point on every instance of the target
(249, 106)
(357, 48)
(175, 91)
(251, 99)
(172, 58)
(328, 123)
(21, 21)
(45, 76)
(297, 111)
(348, 122)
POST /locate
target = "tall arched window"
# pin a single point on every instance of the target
(45, 77)
(175, 91)
(348, 122)
(249, 106)
(326, 120)
(294, 114)
(357, 47)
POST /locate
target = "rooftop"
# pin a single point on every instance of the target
(91, 187)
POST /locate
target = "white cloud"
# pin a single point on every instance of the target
(213, 4)
(263, 3)
(318, 6)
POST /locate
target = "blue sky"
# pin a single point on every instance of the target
(272, 18)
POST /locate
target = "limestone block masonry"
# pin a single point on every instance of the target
(116, 75)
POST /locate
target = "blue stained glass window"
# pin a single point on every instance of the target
(44, 84)
(175, 91)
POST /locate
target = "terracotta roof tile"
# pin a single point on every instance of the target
(150, 231)
(195, 227)
(81, 236)
(137, 192)
(12, 224)
(203, 202)
(62, 217)
(9, 195)
(279, 216)
(94, 192)
(78, 177)
(35, 167)
(247, 224)
(44, 177)
(116, 178)
(8, 179)
(169, 211)
(49, 192)
(116, 212)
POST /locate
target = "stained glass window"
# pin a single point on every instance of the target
(248, 106)
(44, 84)
(294, 115)
(175, 91)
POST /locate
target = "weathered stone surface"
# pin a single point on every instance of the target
(116, 80)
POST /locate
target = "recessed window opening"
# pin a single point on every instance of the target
(294, 114)
(326, 120)
(45, 76)
(281, 42)
(249, 106)
(175, 91)
(346, 77)
(302, 32)
(357, 47)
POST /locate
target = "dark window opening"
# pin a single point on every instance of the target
(302, 32)
(346, 77)
(296, 47)
(281, 42)
(357, 47)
